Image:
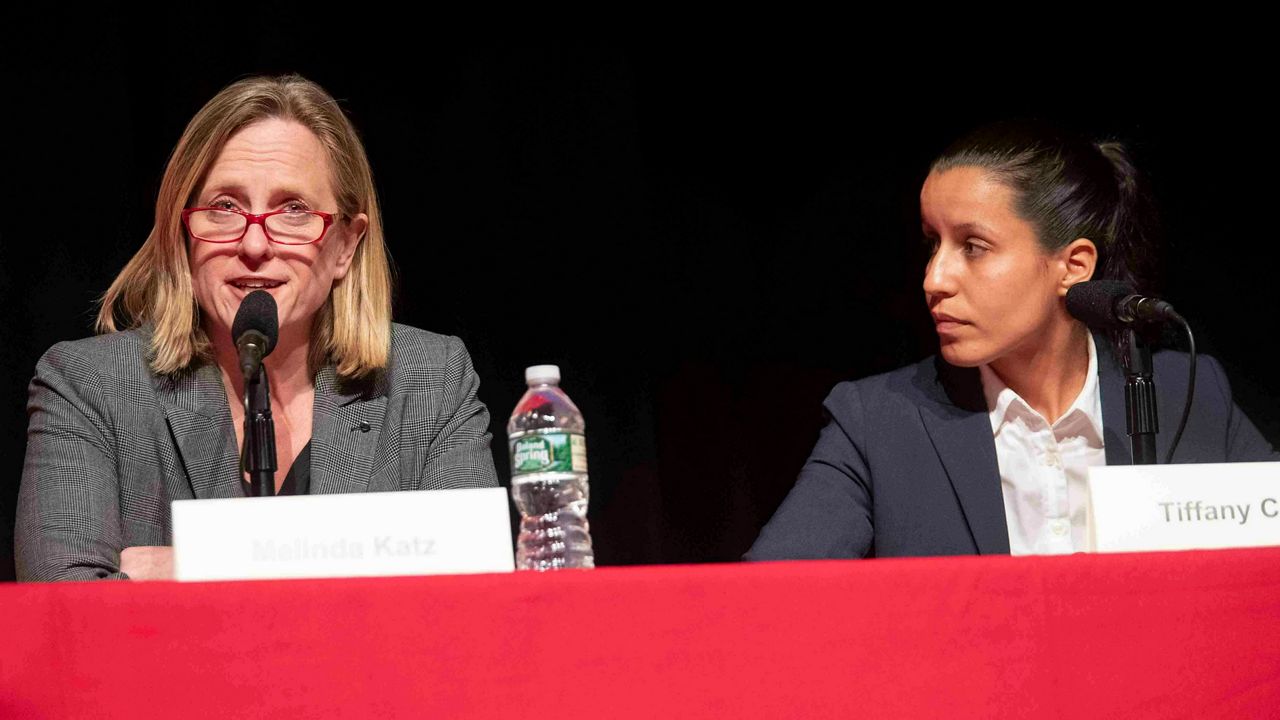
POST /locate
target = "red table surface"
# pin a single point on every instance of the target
(1193, 634)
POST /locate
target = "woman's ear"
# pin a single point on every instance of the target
(354, 234)
(1078, 260)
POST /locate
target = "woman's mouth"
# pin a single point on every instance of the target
(251, 284)
(945, 324)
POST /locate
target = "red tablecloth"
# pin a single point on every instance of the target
(1153, 635)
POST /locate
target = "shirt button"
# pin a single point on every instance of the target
(1058, 527)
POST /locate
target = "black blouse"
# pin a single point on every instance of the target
(298, 481)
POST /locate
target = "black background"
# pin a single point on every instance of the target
(704, 234)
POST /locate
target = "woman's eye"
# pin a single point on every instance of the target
(223, 204)
(973, 248)
(294, 207)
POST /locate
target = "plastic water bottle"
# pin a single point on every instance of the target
(549, 475)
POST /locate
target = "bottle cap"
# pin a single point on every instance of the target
(542, 374)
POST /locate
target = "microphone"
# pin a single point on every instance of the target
(1112, 305)
(255, 330)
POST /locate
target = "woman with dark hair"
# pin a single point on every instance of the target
(985, 448)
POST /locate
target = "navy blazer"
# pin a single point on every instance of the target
(907, 463)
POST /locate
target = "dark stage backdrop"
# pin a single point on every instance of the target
(704, 236)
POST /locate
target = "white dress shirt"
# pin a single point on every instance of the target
(1043, 467)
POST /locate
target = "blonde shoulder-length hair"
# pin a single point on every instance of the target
(352, 330)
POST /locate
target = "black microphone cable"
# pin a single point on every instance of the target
(1191, 389)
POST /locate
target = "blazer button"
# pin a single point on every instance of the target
(365, 427)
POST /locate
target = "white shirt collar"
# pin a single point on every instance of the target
(1005, 405)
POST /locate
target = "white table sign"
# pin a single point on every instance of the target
(392, 533)
(1183, 507)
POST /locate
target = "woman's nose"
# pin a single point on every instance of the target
(255, 246)
(939, 275)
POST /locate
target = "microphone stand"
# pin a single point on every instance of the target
(259, 434)
(1140, 399)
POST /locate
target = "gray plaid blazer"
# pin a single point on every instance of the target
(110, 444)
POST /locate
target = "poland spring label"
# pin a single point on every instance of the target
(552, 452)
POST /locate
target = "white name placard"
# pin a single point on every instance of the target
(312, 536)
(1183, 507)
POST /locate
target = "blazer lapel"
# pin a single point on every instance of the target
(346, 426)
(196, 410)
(960, 430)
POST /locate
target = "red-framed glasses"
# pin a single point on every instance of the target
(284, 227)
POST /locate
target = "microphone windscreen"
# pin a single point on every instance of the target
(257, 312)
(1094, 302)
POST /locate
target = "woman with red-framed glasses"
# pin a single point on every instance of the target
(269, 189)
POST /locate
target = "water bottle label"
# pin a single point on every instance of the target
(552, 452)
